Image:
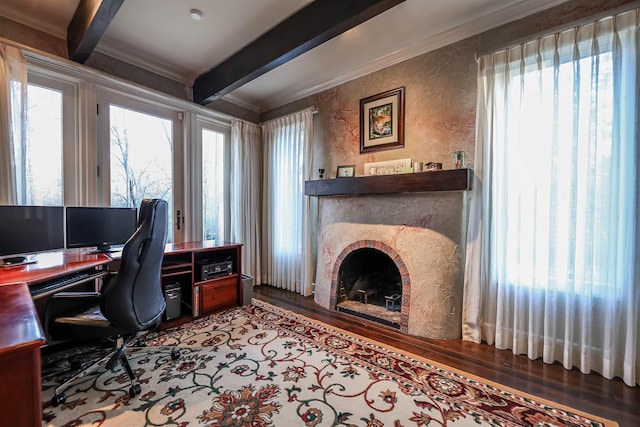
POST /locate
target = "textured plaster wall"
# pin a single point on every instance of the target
(27, 36)
(440, 118)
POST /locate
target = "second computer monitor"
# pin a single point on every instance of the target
(102, 227)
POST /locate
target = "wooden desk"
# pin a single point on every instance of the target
(21, 334)
(50, 265)
(183, 264)
(20, 341)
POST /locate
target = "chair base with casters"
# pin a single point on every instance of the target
(117, 355)
(90, 323)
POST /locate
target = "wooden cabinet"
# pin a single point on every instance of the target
(183, 264)
(218, 294)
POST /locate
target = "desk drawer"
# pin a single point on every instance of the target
(218, 294)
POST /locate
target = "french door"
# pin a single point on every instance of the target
(140, 156)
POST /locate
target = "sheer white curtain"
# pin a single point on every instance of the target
(246, 195)
(286, 242)
(13, 118)
(552, 265)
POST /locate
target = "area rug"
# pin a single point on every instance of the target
(261, 366)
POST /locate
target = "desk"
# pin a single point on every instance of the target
(20, 341)
(21, 334)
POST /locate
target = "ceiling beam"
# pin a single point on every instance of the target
(89, 22)
(311, 26)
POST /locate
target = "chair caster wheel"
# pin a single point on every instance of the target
(175, 354)
(58, 399)
(135, 390)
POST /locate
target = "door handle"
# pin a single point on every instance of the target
(178, 219)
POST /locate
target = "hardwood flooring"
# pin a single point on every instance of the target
(592, 393)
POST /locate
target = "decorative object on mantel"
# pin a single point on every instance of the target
(389, 167)
(346, 171)
(417, 166)
(321, 173)
(382, 121)
(458, 159)
(432, 166)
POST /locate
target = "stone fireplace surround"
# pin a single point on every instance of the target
(421, 232)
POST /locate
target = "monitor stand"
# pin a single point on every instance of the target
(106, 249)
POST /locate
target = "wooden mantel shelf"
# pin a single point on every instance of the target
(444, 180)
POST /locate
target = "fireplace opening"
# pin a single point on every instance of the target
(370, 286)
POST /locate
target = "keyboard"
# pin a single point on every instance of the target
(49, 287)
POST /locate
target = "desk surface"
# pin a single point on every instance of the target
(172, 248)
(50, 265)
(19, 323)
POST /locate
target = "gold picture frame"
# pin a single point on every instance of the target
(346, 171)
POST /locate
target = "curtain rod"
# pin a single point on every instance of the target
(564, 27)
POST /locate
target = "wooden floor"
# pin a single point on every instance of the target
(610, 399)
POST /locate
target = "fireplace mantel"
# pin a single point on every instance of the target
(444, 180)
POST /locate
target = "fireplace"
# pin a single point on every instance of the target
(369, 283)
(413, 241)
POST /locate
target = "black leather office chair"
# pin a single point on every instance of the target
(129, 302)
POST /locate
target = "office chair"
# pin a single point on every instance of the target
(131, 301)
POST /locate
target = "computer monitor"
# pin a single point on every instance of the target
(102, 227)
(27, 230)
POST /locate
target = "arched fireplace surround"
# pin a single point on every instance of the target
(421, 233)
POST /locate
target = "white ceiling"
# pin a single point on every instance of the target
(159, 35)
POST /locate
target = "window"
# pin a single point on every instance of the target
(214, 183)
(551, 260)
(43, 151)
(138, 157)
(286, 144)
(50, 127)
(556, 175)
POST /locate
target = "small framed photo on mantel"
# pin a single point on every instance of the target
(346, 171)
(382, 121)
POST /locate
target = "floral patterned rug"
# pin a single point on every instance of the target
(261, 366)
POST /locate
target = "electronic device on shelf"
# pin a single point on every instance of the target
(27, 230)
(211, 269)
(106, 228)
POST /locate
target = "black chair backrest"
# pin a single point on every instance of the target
(133, 300)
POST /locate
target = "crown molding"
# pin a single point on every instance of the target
(146, 62)
(21, 17)
(241, 102)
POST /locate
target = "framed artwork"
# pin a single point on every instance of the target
(346, 171)
(389, 167)
(382, 121)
